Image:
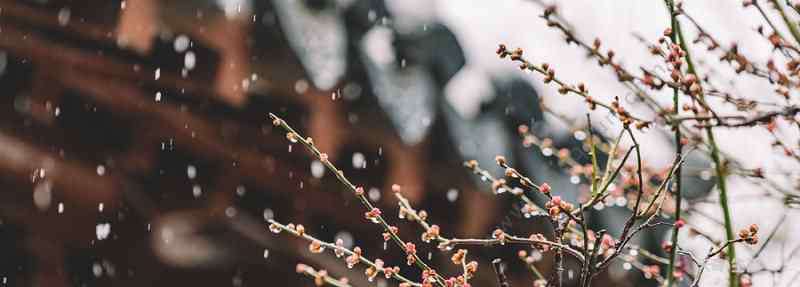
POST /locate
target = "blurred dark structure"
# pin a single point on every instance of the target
(136, 151)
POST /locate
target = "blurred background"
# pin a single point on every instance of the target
(136, 150)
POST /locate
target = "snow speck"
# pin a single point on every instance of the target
(181, 43)
(158, 74)
(97, 270)
(268, 214)
(230, 211)
(266, 253)
(42, 195)
(241, 191)
(191, 171)
(60, 207)
(63, 16)
(579, 135)
(301, 86)
(317, 169)
(547, 151)
(189, 60)
(102, 230)
(706, 174)
(3, 62)
(197, 191)
(374, 194)
(359, 160)
(452, 195)
(101, 170)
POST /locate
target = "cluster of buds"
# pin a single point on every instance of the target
(596, 45)
(529, 208)
(275, 228)
(555, 206)
(607, 242)
(549, 74)
(749, 234)
(772, 125)
(499, 185)
(679, 223)
(514, 55)
(388, 235)
(540, 246)
(277, 122)
(501, 160)
(563, 154)
(780, 77)
(339, 250)
(525, 257)
(776, 40)
(745, 281)
(793, 67)
(316, 247)
(694, 109)
(667, 246)
(651, 271)
(621, 73)
(319, 277)
(621, 112)
(411, 253)
(544, 188)
(292, 137)
(354, 258)
(523, 129)
(459, 281)
(591, 102)
(470, 269)
(396, 188)
(388, 272)
(511, 172)
(690, 83)
(733, 55)
(300, 229)
(651, 82)
(405, 212)
(500, 235)
(373, 271)
(373, 215)
(432, 233)
(471, 164)
(459, 257)
(429, 277)
(675, 60)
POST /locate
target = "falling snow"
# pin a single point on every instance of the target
(102, 230)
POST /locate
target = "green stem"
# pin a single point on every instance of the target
(679, 150)
(719, 168)
(792, 27)
(723, 203)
